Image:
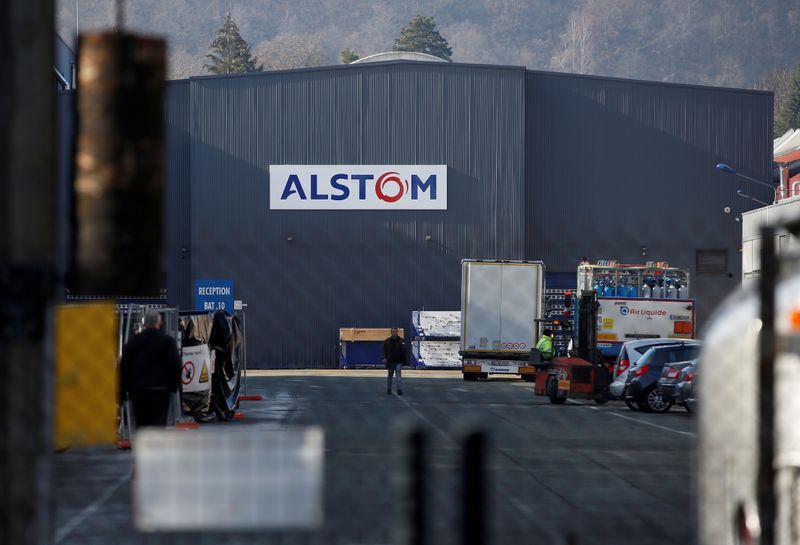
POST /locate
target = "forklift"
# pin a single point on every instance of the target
(582, 373)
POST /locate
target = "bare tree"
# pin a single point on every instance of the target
(288, 51)
(578, 46)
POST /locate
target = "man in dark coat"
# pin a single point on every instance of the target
(394, 356)
(150, 371)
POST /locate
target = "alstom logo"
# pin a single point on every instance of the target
(358, 187)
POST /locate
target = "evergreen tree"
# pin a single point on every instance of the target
(787, 107)
(229, 53)
(421, 35)
(348, 55)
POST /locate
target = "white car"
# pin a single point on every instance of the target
(628, 356)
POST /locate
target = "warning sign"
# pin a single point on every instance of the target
(188, 373)
(195, 357)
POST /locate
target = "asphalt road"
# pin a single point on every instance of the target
(575, 473)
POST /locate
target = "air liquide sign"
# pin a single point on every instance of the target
(358, 187)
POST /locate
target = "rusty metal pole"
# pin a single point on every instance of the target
(26, 268)
(119, 165)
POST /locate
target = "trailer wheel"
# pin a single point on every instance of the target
(552, 392)
(471, 376)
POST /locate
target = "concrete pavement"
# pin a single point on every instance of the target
(600, 474)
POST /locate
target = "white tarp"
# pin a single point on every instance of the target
(438, 323)
(437, 353)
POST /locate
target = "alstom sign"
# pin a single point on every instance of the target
(358, 187)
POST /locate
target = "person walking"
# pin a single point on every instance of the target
(394, 356)
(149, 372)
(545, 345)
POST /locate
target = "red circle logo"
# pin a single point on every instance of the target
(390, 178)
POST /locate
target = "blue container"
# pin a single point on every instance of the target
(360, 354)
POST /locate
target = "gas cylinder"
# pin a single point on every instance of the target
(672, 292)
(658, 292)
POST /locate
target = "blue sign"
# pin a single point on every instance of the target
(213, 295)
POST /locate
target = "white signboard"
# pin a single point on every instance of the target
(358, 187)
(228, 479)
(197, 368)
(621, 320)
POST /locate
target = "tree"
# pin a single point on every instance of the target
(421, 35)
(287, 51)
(229, 52)
(348, 55)
(787, 112)
(779, 81)
(578, 46)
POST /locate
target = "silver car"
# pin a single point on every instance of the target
(628, 356)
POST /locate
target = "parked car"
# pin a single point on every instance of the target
(629, 355)
(641, 389)
(685, 388)
(669, 379)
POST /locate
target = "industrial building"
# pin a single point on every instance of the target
(545, 166)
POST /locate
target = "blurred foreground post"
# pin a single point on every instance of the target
(119, 165)
(767, 501)
(26, 268)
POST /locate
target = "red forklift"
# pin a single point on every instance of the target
(581, 374)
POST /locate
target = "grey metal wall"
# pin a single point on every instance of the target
(351, 268)
(65, 169)
(177, 218)
(614, 165)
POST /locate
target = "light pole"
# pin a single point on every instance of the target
(746, 196)
(730, 170)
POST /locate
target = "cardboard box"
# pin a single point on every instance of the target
(352, 334)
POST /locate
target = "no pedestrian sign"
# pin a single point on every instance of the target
(213, 295)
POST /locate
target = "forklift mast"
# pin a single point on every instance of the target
(587, 326)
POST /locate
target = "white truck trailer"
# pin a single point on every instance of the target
(501, 309)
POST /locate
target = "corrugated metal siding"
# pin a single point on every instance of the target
(615, 165)
(65, 169)
(365, 268)
(177, 218)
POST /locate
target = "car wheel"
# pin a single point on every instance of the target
(602, 400)
(652, 402)
(688, 408)
(631, 404)
(552, 392)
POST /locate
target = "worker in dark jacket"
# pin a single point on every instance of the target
(394, 356)
(150, 372)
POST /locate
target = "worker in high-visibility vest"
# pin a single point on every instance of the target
(545, 345)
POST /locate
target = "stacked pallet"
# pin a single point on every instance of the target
(436, 339)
